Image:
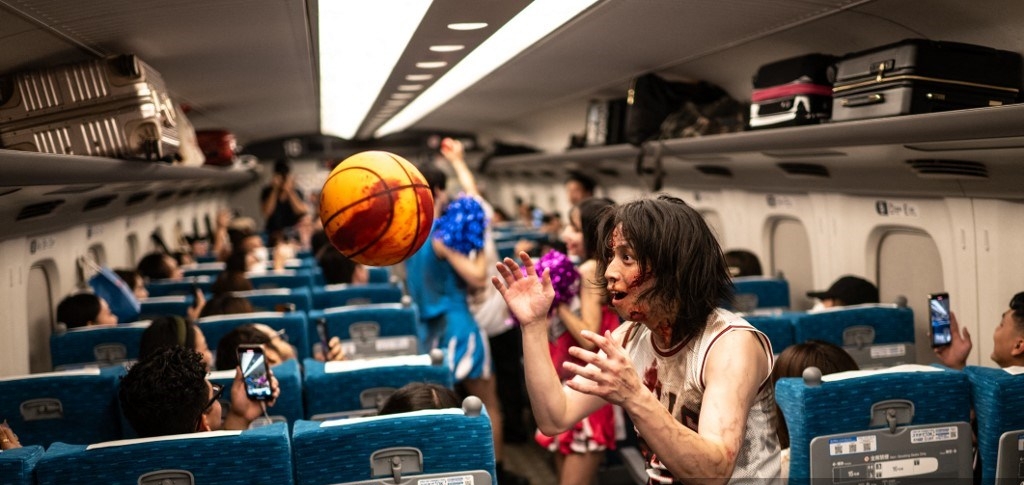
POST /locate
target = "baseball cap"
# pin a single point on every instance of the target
(849, 290)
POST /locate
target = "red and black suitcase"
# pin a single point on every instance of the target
(923, 76)
(793, 91)
(114, 107)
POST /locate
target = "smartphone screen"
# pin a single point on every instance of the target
(938, 314)
(321, 330)
(255, 372)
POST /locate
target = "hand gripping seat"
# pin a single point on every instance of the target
(437, 446)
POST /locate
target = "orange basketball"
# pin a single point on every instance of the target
(376, 208)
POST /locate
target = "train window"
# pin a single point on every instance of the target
(714, 222)
(132, 250)
(97, 254)
(906, 252)
(791, 256)
(42, 279)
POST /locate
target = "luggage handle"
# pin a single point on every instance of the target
(866, 100)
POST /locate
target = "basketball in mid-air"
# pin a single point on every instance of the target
(376, 208)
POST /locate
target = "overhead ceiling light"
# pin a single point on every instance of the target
(431, 64)
(446, 48)
(537, 20)
(410, 87)
(351, 78)
(467, 26)
(419, 77)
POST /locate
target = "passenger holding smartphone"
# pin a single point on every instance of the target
(1008, 339)
(167, 394)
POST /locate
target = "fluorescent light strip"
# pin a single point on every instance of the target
(538, 19)
(357, 54)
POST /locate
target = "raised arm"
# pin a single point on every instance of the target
(455, 153)
(471, 268)
(529, 297)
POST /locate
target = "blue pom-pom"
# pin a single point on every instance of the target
(462, 225)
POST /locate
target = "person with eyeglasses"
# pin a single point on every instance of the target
(1008, 339)
(167, 393)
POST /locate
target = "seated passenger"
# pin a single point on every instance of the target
(83, 310)
(174, 331)
(827, 357)
(159, 266)
(226, 304)
(742, 263)
(134, 281)
(8, 440)
(848, 290)
(167, 393)
(338, 268)
(1008, 338)
(417, 396)
(233, 277)
(275, 347)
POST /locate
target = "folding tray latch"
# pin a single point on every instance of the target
(396, 461)
(892, 413)
(110, 352)
(168, 477)
(42, 409)
(859, 336)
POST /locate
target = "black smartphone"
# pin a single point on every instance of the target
(196, 294)
(255, 372)
(938, 315)
(321, 330)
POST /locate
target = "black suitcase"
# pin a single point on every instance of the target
(923, 76)
(793, 91)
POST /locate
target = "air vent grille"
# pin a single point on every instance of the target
(937, 168)
(137, 198)
(805, 170)
(714, 170)
(98, 202)
(38, 210)
(74, 189)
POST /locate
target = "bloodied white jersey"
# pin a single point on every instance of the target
(676, 377)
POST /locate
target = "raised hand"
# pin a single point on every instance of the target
(610, 377)
(528, 296)
(955, 354)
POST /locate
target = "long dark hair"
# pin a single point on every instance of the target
(673, 245)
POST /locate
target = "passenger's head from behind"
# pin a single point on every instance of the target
(418, 396)
(676, 271)
(579, 187)
(1008, 348)
(275, 348)
(226, 304)
(85, 309)
(174, 331)
(134, 281)
(159, 266)
(848, 290)
(230, 281)
(743, 263)
(338, 268)
(167, 393)
(827, 357)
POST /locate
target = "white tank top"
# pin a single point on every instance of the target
(676, 377)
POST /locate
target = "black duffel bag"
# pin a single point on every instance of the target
(667, 109)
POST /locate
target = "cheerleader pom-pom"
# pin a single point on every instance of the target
(462, 225)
